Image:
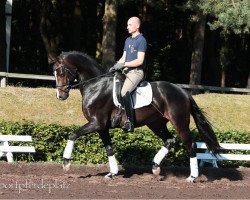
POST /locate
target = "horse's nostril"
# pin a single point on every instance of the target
(62, 96)
(58, 96)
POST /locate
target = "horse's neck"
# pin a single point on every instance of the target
(87, 67)
(97, 85)
(86, 75)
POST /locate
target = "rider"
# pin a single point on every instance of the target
(133, 64)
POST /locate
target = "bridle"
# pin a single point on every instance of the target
(66, 68)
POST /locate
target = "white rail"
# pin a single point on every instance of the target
(4, 75)
(210, 158)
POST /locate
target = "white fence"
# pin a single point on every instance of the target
(8, 150)
(210, 158)
(4, 76)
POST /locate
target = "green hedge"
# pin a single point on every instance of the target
(138, 148)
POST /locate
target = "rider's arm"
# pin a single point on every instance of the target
(122, 59)
(137, 62)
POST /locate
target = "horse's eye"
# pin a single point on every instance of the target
(61, 72)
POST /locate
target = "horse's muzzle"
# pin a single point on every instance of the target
(62, 95)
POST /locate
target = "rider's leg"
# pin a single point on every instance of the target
(128, 105)
(133, 77)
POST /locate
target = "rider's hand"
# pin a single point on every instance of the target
(118, 66)
(111, 69)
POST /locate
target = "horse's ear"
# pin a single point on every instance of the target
(52, 59)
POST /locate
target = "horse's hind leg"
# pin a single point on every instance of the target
(185, 135)
(160, 129)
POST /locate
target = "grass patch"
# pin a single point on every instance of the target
(40, 105)
(225, 111)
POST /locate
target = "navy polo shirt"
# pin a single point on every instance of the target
(134, 45)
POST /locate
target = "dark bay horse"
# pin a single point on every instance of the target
(170, 103)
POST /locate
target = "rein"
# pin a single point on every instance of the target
(84, 82)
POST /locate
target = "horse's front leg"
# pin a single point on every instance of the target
(84, 130)
(113, 166)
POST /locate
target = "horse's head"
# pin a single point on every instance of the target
(70, 66)
(65, 73)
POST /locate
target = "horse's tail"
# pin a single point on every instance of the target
(204, 127)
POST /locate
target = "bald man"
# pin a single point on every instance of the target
(133, 64)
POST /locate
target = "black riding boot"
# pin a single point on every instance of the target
(129, 110)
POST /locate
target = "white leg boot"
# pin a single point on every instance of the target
(194, 171)
(157, 160)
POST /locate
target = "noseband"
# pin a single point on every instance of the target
(65, 68)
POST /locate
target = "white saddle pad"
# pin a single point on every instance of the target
(142, 96)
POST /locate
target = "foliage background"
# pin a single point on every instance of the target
(137, 149)
(169, 26)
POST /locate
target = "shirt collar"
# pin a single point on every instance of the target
(136, 37)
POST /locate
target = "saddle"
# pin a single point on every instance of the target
(141, 96)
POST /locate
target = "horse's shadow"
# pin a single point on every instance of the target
(125, 173)
(206, 173)
(130, 168)
(232, 174)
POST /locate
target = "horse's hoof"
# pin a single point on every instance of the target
(66, 167)
(109, 176)
(156, 171)
(191, 179)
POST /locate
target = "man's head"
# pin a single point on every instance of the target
(133, 25)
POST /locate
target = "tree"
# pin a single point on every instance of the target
(227, 16)
(109, 33)
(2, 36)
(198, 44)
(230, 16)
(50, 28)
(75, 24)
(47, 27)
(197, 52)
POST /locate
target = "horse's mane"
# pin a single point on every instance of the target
(63, 55)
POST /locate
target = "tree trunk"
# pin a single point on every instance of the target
(2, 36)
(197, 53)
(248, 81)
(91, 22)
(109, 33)
(76, 27)
(224, 61)
(223, 78)
(50, 30)
(100, 13)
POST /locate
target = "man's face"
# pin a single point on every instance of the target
(132, 26)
